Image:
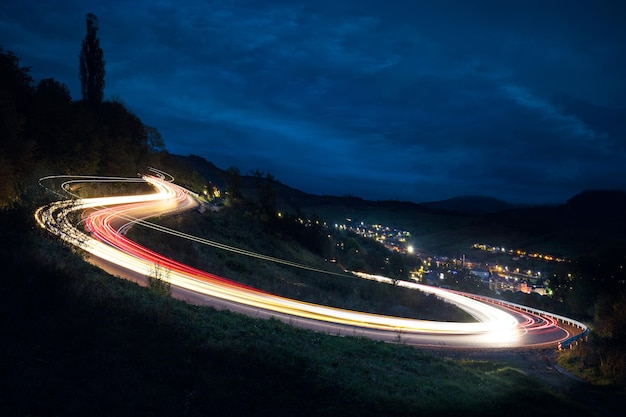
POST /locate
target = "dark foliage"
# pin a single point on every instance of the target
(92, 64)
(42, 131)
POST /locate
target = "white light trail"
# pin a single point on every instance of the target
(494, 327)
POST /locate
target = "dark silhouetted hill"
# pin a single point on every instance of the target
(590, 222)
(470, 204)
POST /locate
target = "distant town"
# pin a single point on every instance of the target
(498, 277)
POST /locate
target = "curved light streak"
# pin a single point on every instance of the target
(495, 327)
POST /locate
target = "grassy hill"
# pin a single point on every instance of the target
(80, 342)
(77, 341)
(241, 227)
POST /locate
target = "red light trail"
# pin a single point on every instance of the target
(105, 218)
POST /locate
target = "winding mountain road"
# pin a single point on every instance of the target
(98, 225)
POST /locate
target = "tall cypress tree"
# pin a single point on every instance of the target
(92, 64)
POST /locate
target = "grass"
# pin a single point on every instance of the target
(77, 341)
(247, 232)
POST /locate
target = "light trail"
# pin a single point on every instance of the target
(496, 326)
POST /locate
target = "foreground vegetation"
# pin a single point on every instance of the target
(80, 342)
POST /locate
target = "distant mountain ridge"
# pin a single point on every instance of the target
(471, 204)
(607, 199)
(612, 200)
(589, 222)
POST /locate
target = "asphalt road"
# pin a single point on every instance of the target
(498, 326)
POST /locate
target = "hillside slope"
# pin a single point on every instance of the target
(79, 342)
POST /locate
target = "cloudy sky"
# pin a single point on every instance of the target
(410, 100)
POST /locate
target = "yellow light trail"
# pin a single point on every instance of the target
(495, 327)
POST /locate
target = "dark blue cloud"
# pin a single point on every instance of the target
(393, 99)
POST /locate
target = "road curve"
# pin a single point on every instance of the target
(104, 219)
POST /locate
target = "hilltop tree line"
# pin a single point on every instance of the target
(43, 130)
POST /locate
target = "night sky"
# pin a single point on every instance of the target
(408, 100)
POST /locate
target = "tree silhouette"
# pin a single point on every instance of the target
(15, 152)
(92, 64)
(234, 183)
(266, 192)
